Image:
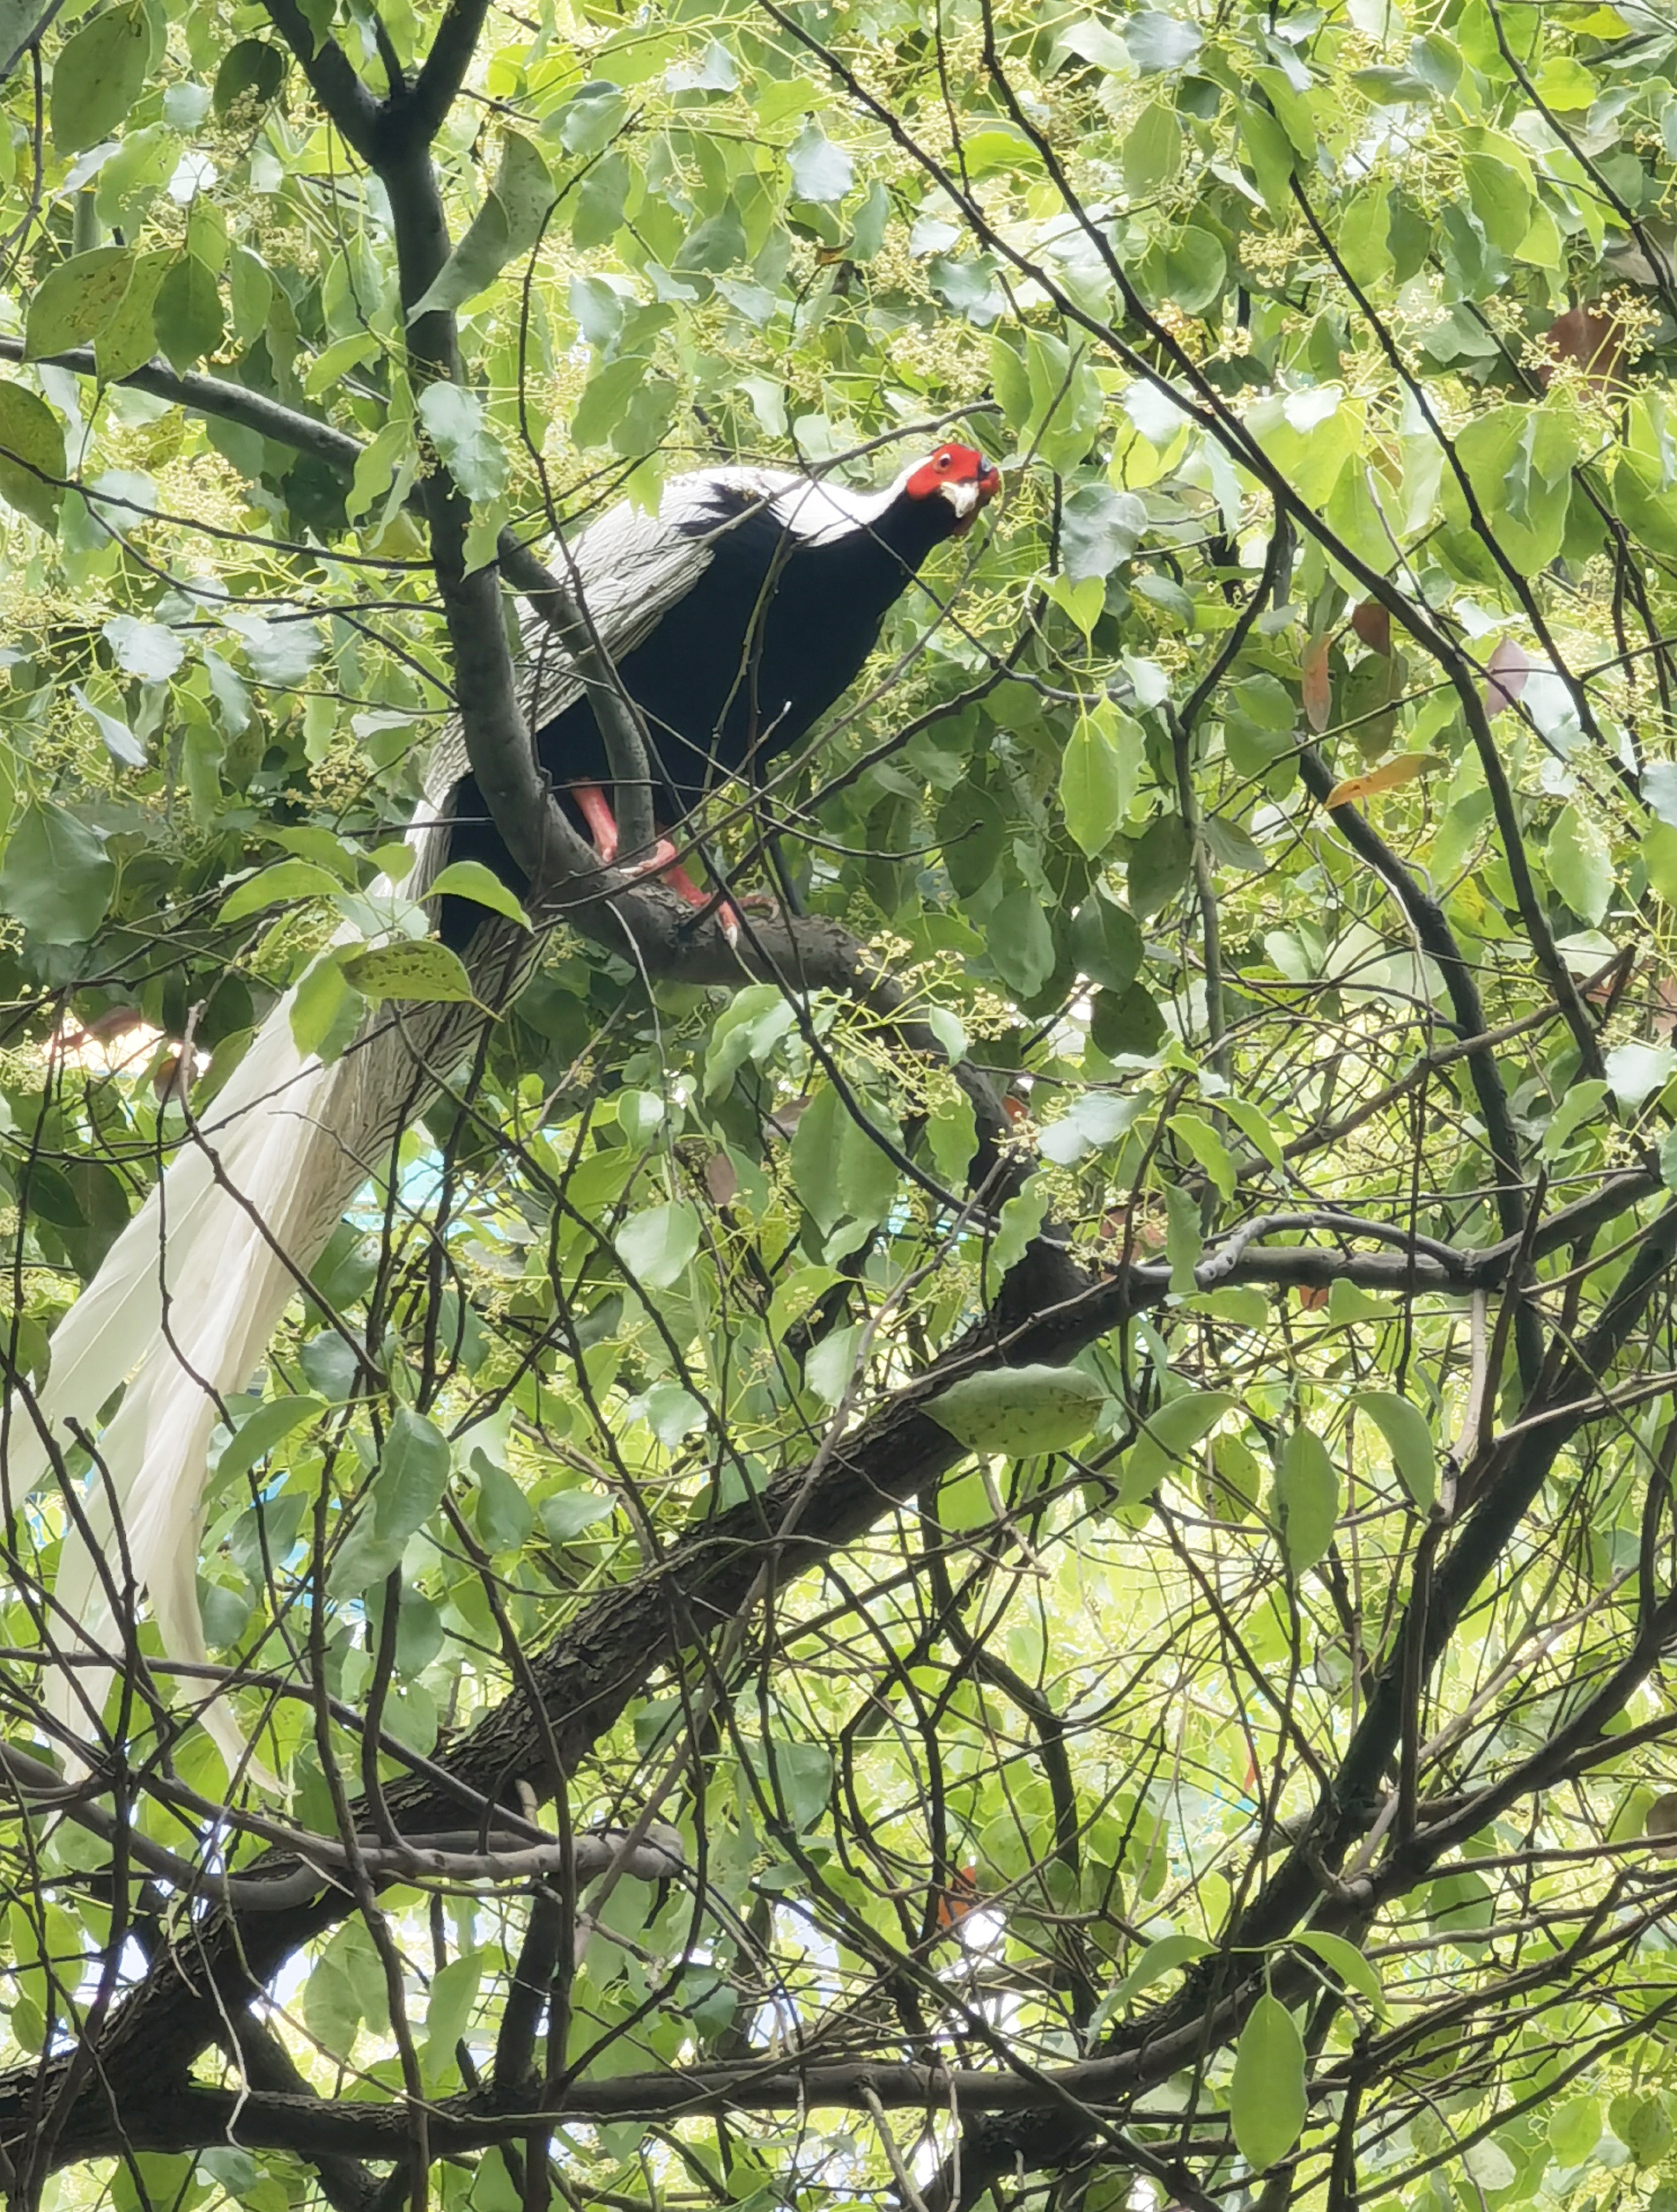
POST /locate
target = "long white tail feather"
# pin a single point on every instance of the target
(187, 1299)
(182, 1310)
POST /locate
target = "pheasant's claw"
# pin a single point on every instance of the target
(658, 861)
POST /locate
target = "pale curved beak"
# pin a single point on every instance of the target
(967, 497)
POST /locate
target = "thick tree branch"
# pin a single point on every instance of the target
(593, 1670)
(1514, 1471)
(415, 117)
(340, 92)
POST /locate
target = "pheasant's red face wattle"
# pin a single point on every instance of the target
(960, 475)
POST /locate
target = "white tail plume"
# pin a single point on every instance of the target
(181, 1311)
(188, 1296)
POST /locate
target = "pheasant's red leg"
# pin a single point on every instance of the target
(596, 810)
(685, 888)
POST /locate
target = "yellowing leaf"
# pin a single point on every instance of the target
(420, 970)
(75, 301)
(1389, 776)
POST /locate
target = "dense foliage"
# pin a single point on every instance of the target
(1081, 1431)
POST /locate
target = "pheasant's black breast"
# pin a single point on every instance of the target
(774, 629)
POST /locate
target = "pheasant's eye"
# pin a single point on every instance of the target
(943, 461)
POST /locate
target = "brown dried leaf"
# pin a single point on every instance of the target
(1372, 624)
(1506, 671)
(1592, 340)
(1317, 683)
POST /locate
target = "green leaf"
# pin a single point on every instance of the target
(151, 650)
(1306, 1502)
(450, 2003)
(1099, 770)
(331, 2012)
(55, 879)
(1574, 2130)
(1362, 236)
(1106, 943)
(508, 225)
(251, 71)
(590, 119)
(599, 200)
(1254, 1125)
(1163, 1956)
(715, 244)
(564, 1516)
(1152, 150)
(1020, 1220)
(129, 339)
(285, 882)
(271, 1423)
(1462, 1907)
(1266, 2101)
(325, 1012)
(186, 312)
(1159, 42)
(1168, 1435)
(840, 1171)
(1643, 2124)
(1020, 942)
(280, 653)
(74, 302)
(1270, 153)
(31, 449)
(1160, 864)
(505, 1514)
(655, 1246)
(1409, 1439)
(820, 171)
(420, 970)
(1635, 1071)
(1098, 528)
(406, 1490)
(1020, 1411)
(952, 1135)
(98, 76)
(1499, 198)
(119, 742)
(1580, 865)
(1205, 1146)
(458, 426)
(1196, 268)
(1344, 1959)
(800, 1777)
(471, 879)
(1184, 1238)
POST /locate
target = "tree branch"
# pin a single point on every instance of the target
(340, 92)
(417, 116)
